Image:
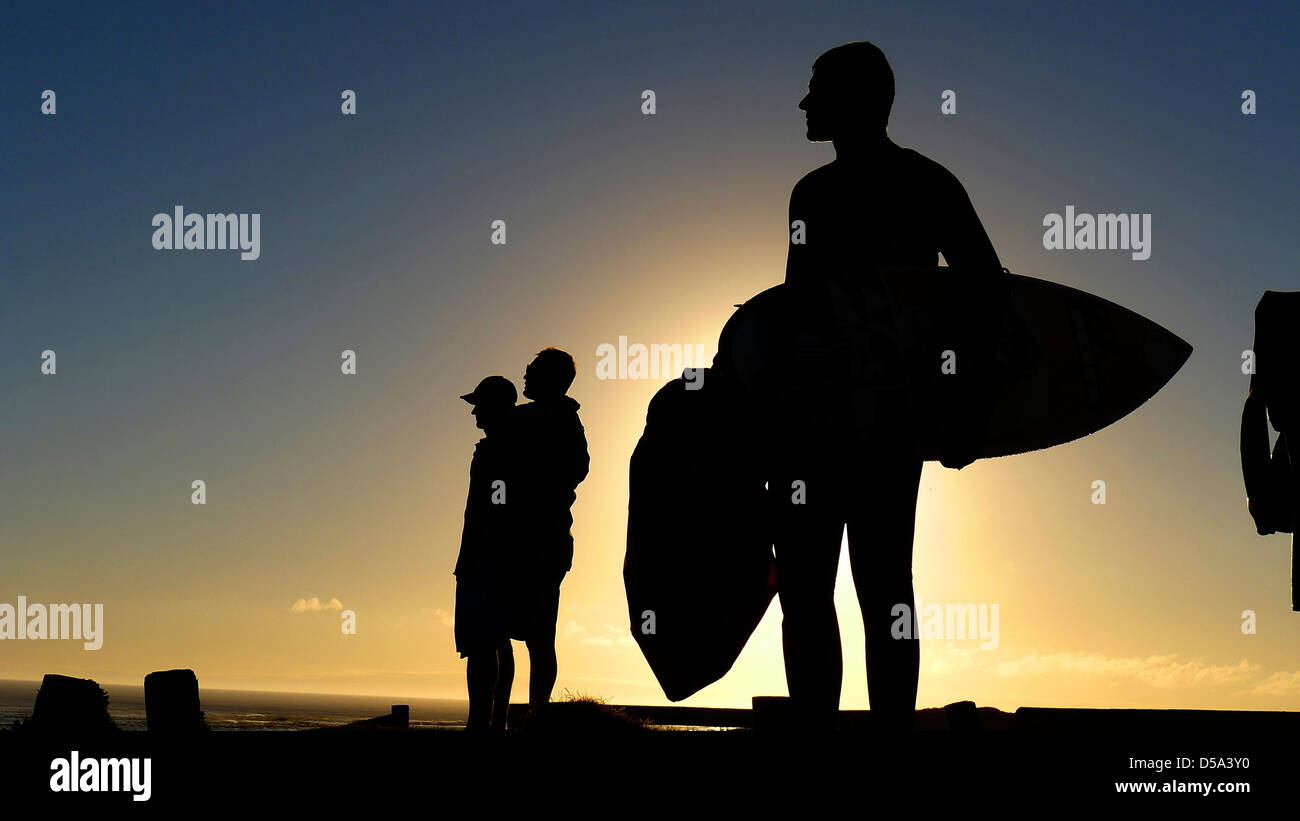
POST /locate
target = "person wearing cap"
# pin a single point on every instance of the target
(482, 583)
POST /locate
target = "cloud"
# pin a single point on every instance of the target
(573, 629)
(425, 618)
(1157, 671)
(1162, 671)
(951, 659)
(613, 636)
(1278, 684)
(313, 605)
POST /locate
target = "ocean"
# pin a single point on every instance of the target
(227, 710)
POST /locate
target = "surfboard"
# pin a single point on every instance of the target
(988, 366)
(698, 571)
(996, 369)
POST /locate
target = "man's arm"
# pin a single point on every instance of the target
(797, 260)
(962, 239)
(581, 463)
(561, 457)
(1255, 464)
(966, 247)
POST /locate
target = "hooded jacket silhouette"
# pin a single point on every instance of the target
(553, 461)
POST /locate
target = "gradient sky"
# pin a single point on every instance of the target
(175, 366)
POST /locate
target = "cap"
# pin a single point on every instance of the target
(493, 389)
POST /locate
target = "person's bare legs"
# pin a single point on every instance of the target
(809, 536)
(505, 681)
(543, 667)
(481, 679)
(880, 550)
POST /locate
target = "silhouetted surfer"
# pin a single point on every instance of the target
(1273, 482)
(876, 205)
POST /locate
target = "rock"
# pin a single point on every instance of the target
(171, 702)
(70, 706)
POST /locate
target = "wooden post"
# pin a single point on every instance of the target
(401, 715)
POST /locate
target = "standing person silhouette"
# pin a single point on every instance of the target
(1273, 481)
(553, 462)
(876, 205)
(482, 583)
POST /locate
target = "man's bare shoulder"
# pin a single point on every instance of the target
(916, 163)
(814, 179)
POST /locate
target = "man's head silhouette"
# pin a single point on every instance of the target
(493, 400)
(549, 375)
(850, 94)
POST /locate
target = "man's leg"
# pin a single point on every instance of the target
(1291, 448)
(505, 681)
(543, 666)
(809, 532)
(880, 549)
(481, 678)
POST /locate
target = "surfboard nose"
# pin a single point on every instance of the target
(1165, 353)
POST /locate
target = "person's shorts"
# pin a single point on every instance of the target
(481, 617)
(536, 608)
